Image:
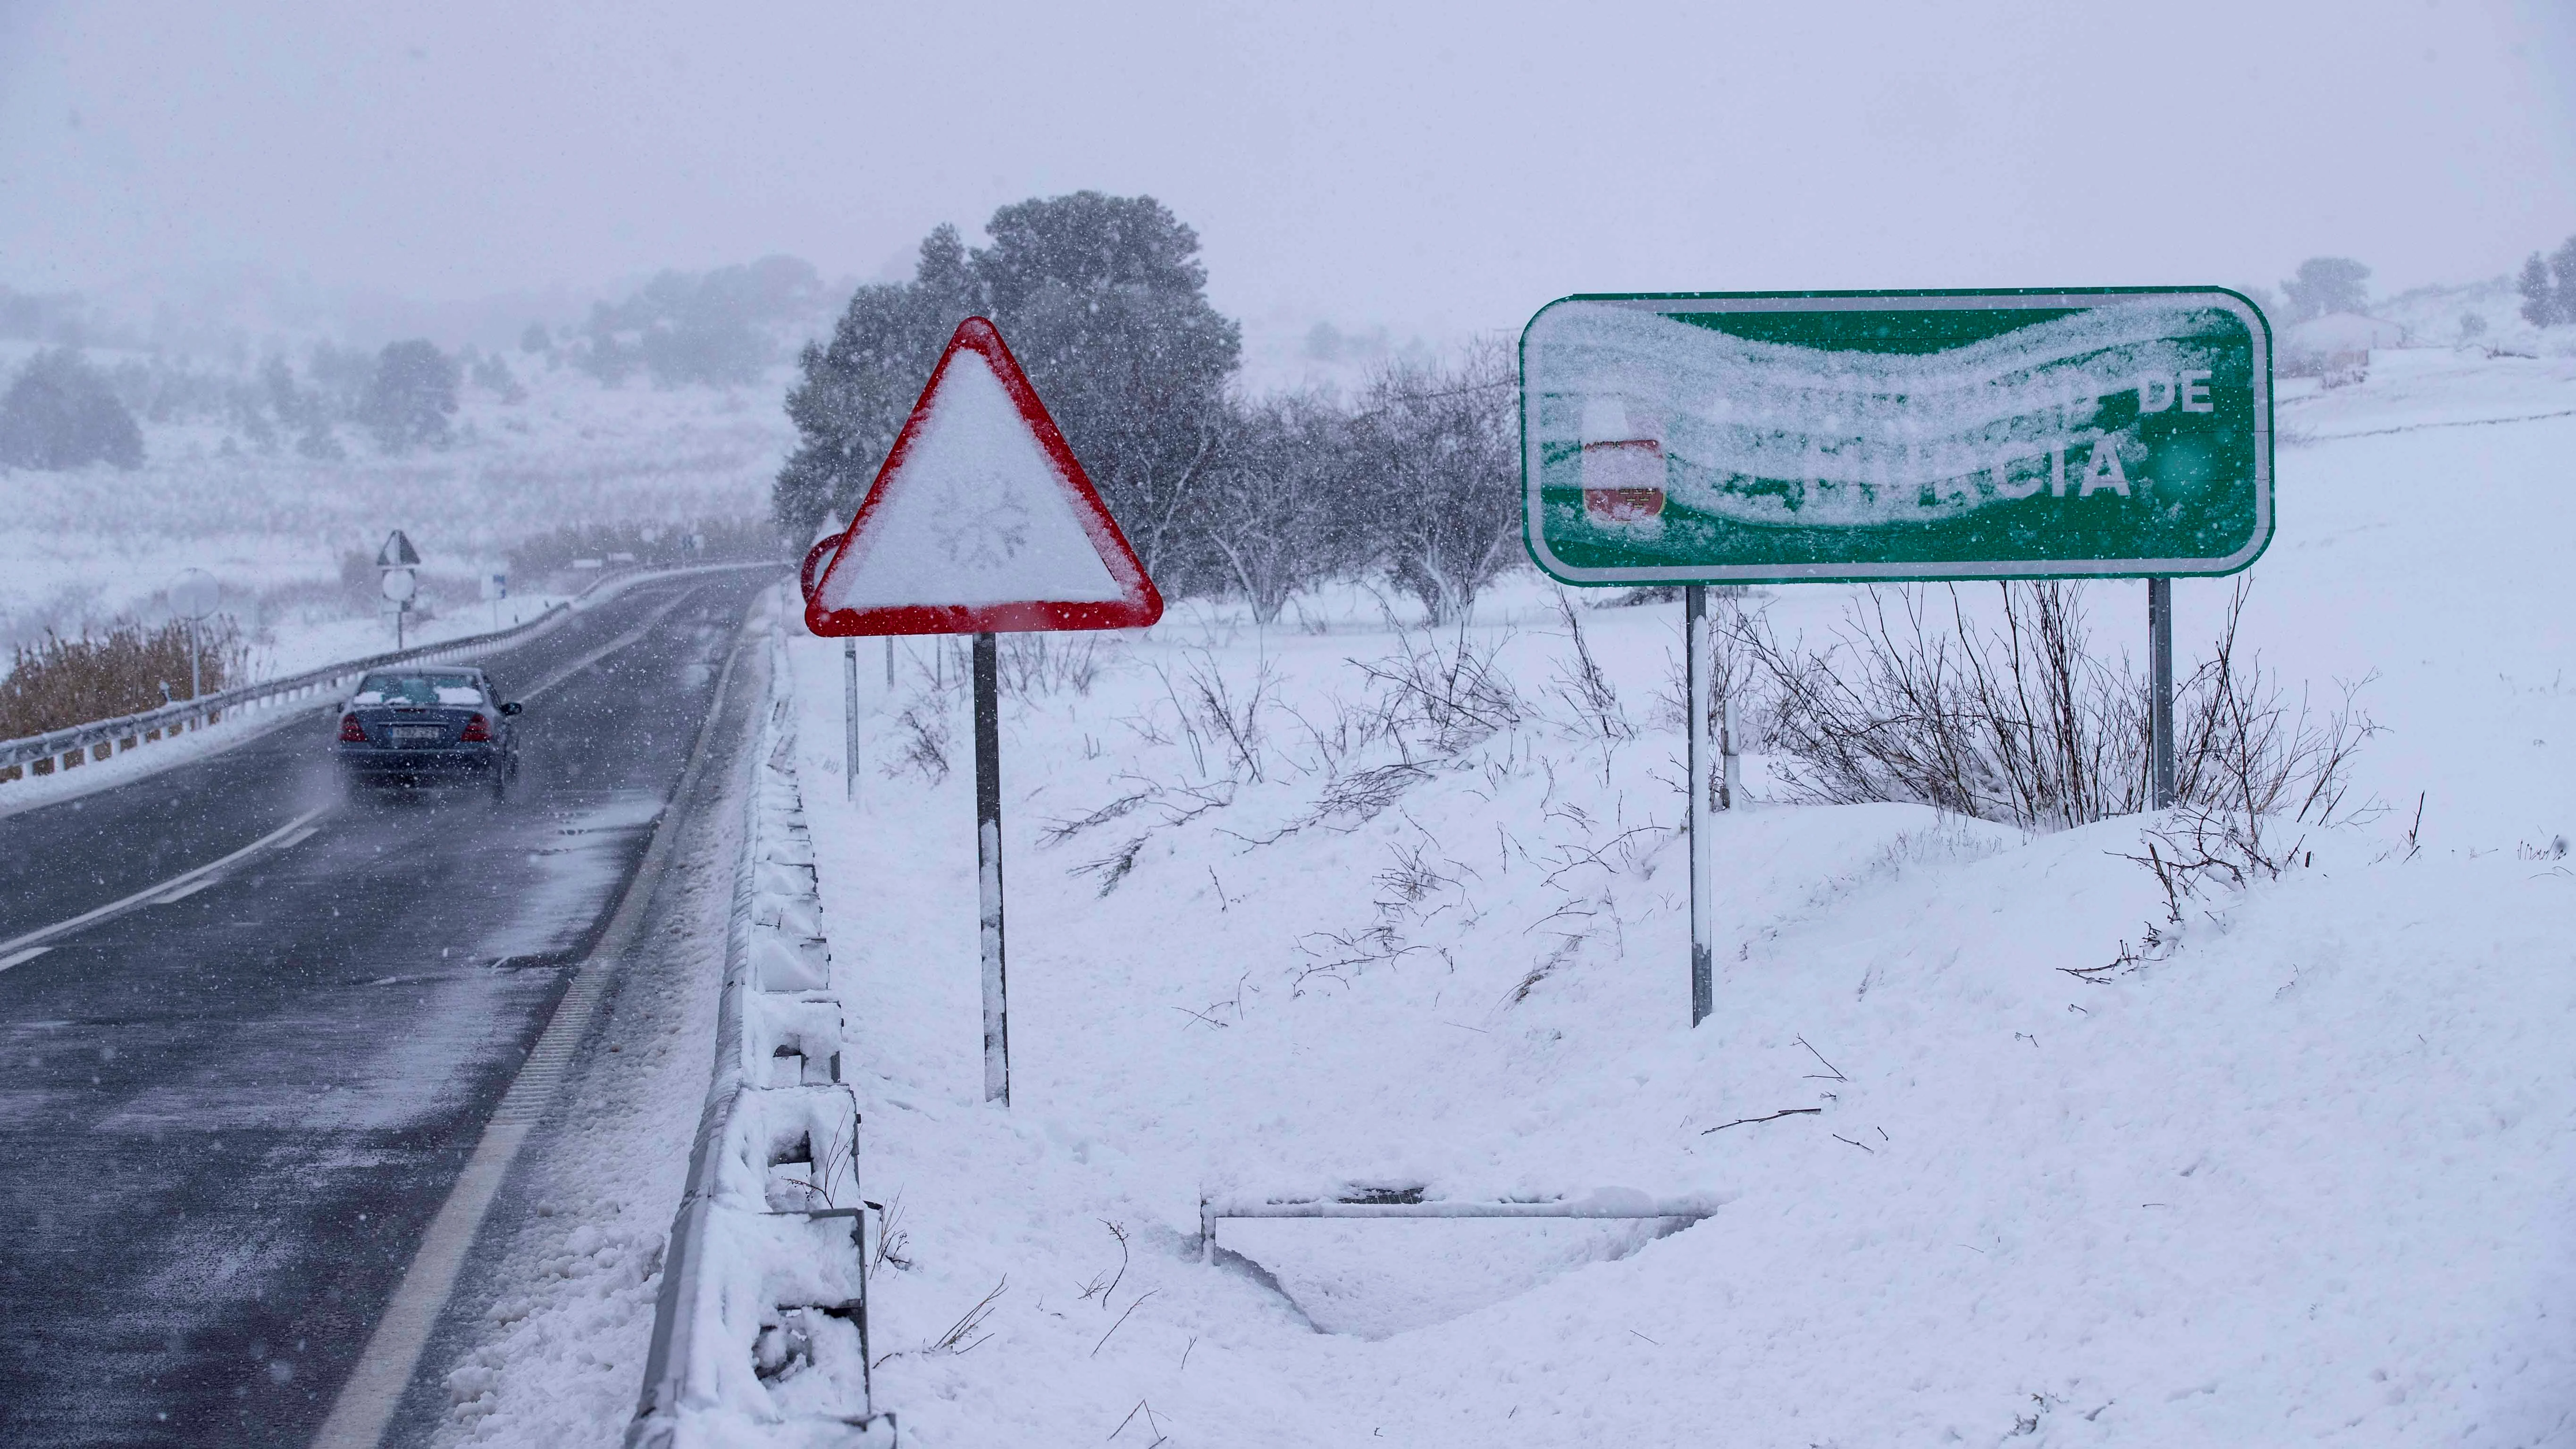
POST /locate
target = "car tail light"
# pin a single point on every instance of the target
(478, 731)
(352, 732)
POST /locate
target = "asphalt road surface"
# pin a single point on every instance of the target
(227, 1114)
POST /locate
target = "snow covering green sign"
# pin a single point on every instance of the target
(1740, 438)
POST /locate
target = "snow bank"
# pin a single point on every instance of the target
(2303, 1178)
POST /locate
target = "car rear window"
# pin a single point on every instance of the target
(418, 687)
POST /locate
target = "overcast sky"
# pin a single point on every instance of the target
(1439, 168)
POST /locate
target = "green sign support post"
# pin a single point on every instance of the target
(1879, 437)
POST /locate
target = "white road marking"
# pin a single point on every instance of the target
(611, 647)
(375, 1387)
(185, 891)
(21, 958)
(165, 888)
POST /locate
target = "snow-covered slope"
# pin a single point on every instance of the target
(98, 542)
(2307, 1179)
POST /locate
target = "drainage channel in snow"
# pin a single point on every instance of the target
(1374, 1279)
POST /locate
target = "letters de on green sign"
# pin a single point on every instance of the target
(1769, 438)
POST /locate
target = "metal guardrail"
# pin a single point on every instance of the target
(19, 756)
(751, 1281)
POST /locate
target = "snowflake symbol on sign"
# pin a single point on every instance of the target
(978, 534)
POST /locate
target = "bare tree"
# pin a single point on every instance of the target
(1436, 483)
(1269, 505)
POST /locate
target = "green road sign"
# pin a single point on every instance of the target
(1774, 438)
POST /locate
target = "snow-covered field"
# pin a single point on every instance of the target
(273, 527)
(2310, 1178)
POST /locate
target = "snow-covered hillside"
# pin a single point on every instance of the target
(2306, 1179)
(273, 526)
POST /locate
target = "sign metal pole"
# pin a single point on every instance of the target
(1695, 682)
(2160, 666)
(850, 718)
(988, 865)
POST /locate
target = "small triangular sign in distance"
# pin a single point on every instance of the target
(397, 552)
(981, 520)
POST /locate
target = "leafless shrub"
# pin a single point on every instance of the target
(923, 731)
(830, 1167)
(1568, 943)
(1349, 801)
(2021, 722)
(1359, 797)
(1583, 687)
(1443, 696)
(2205, 848)
(1172, 805)
(1031, 667)
(1411, 878)
(2256, 768)
(891, 1239)
(1106, 1282)
(941, 667)
(1215, 710)
(57, 682)
(1329, 954)
(1060, 831)
(2242, 746)
(1113, 867)
(967, 1334)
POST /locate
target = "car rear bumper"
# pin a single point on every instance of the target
(373, 763)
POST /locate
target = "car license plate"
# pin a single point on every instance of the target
(406, 735)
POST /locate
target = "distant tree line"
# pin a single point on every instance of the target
(704, 540)
(722, 328)
(63, 411)
(1103, 300)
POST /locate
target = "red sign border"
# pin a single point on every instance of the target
(1143, 603)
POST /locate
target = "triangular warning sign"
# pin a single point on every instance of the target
(981, 520)
(397, 552)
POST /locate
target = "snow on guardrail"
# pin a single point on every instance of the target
(760, 1334)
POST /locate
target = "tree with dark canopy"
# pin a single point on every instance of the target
(2326, 284)
(60, 413)
(2548, 286)
(1103, 300)
(411, 396)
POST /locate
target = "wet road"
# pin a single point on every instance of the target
(227, 1115)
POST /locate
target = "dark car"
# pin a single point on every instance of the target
(422, 724)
